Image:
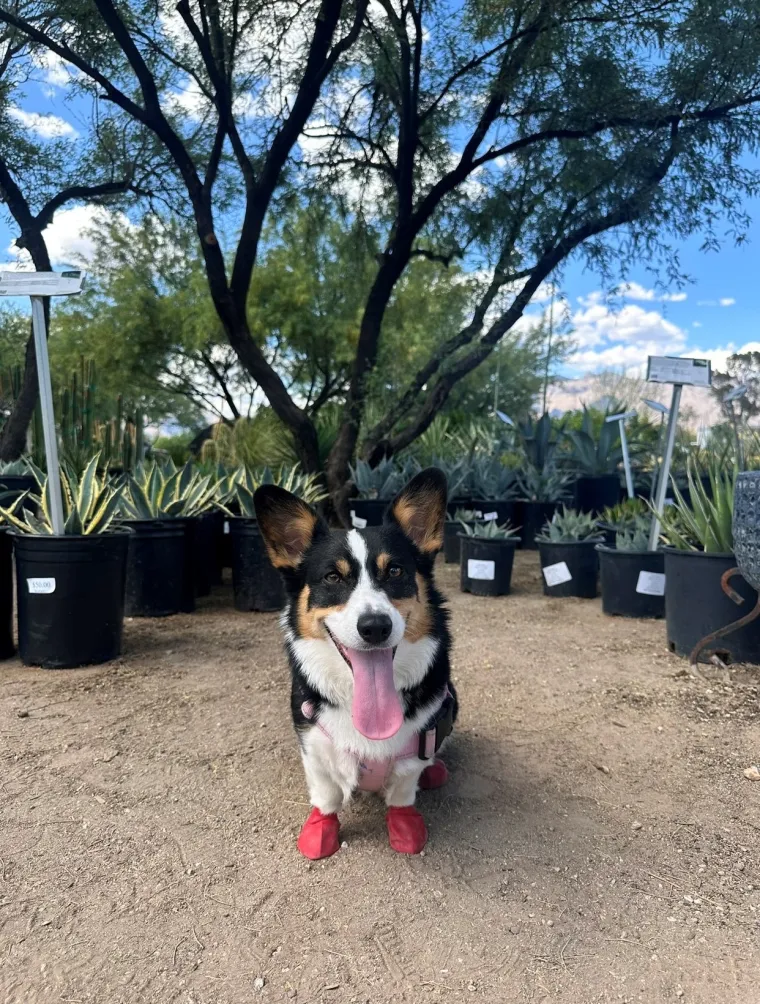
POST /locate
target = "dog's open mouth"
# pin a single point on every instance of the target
(376, 708)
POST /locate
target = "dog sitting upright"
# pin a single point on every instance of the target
(368, 643)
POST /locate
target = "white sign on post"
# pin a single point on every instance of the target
(673, 369)
(37, 285)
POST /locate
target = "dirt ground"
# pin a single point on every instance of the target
(596, 842)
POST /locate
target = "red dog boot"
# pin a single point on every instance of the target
(434, 776)
(406, 829)
(319, 836)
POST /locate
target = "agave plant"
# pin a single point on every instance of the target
(491, 530)
(704, 524)
(467, 516)
(537, 442)
(568, 526)
(308, 487)
(90, 504)
(593, 455)
(15, 468)
(634, 536)
(161, 491)
(490, 479)
(624, 515)
(543, 484)
(381, 482)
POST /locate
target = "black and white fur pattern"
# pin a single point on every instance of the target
(334, 577)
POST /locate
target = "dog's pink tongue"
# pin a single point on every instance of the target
(376, 710)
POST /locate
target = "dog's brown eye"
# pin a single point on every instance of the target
(395, 571)
(332, 577)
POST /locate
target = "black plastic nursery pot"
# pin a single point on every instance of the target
(532, 517)
(256, 583)
(6, 594)
(695, 606)
(160, 580)
(596, 492)
(452, 528)
(456, 503)
(632, 582)
(486, 565)
(70, 594)
(569, 569)
(371, 510)
(206, 570)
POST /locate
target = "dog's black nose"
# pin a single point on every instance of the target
(374, 628)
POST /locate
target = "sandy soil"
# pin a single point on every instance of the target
(596, 843)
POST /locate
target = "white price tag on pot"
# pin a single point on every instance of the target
(481, 569)
(556, 574)
(226, 526)
(651, 583)
(488, 517)
(357, 521)
(41, 585)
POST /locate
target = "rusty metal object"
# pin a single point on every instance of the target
(728, 628)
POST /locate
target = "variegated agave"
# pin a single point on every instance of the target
(244, 483)
(161, 491)
(90, 503)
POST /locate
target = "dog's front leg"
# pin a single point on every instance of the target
(330, 786)
(406, 827)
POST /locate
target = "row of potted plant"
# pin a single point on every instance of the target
(141, 545)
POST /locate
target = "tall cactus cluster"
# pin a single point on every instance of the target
(119, 440)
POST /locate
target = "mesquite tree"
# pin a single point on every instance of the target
(508, 135)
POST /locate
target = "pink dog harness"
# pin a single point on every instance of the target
(423, 745)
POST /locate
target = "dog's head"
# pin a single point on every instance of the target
(361, 591)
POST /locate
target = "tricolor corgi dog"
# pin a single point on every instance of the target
(368, 642)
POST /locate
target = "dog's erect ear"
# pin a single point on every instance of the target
(420, 510)
(287, 525)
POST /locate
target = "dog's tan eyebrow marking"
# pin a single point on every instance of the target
(416, 612)
(343, 567)
(383, 560)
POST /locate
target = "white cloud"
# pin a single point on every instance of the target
(635, 291)
(642, 332)
(46, 126)
(55, 71)
(68, 239)
(696, 324)
(727, 301)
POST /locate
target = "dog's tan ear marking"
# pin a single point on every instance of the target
(287, 525)
(420, 510)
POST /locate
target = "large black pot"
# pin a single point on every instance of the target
(595, 492)
(256, 583)
(451, 531)
(486, 565)
(695, 606)
(70, 594)
(160, 579)
(532, 517)
(571, 566)
(206, 571)
(367, 512)
(633, 582)
(6, 595)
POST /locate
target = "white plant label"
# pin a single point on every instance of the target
(357, 521)
(481, 569)
(651, 584)
(555, 575)
(478, 513)
(41, 585)
(226, 526)
(488, 517)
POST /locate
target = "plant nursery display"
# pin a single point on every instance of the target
(596, 458)
(566, 548)
(632, 577)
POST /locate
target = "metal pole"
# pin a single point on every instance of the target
(626, 459)
(655, 473)
(662, 483)
(48, 418)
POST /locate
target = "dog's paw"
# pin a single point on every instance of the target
(319, 836)
(434, 776)
(406, 829)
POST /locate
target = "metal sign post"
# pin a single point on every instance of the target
(621, 420)
(657, 406)
(37, 285)
(736, 395)
(670, 369)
